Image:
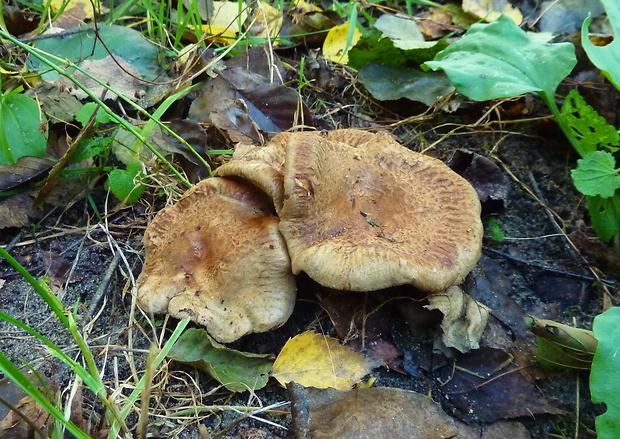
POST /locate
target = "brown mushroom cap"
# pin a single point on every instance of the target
(217, 256)
(376, 215)
(263, 166)
(260, 166)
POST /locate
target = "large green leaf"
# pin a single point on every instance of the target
(606, 58)
(500, 60)
(237, 371)
(124, 43)
(20, 128)
(389, 83)
(605, 375)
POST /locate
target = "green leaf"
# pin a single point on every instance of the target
(596, 174)
(500, 60)
(125, 184)
(389, 83)
(605, 215)
(124, 42)
(373, 47)
(90, 148)
(590, 128)
(87, 110)
(605, 375)
(20, 120)
(237, 371)
(562, 345)
(606, 58)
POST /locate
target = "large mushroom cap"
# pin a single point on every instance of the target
(218, 257)
(376, 214)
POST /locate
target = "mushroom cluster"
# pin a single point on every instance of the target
(354, 210)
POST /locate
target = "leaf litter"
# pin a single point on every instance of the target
(481, 385)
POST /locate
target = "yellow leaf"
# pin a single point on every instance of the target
(490, 10)
(220, 35)
(82, 9)
(267, 21)
(335, 46)
(304, 6)
(315, 360)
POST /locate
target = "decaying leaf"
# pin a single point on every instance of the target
(112, 71)
(316, 360)
(464, 318)
(363, 325)
(485, 176)
(28, 169)
(247, 100)
(14, 427)
(563, 345)
(486, 386)
(237, 371)
(378, 413)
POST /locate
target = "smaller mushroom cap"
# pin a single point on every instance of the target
(260, 166)
(217, 256)
(376, 215)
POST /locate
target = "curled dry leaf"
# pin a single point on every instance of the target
(464, 319)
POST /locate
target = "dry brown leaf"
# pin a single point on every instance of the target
(464, 319)
(377, 413)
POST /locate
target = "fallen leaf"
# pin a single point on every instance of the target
(390, 83)
(363, 325)
(316, 360)
(566, 16)
(490, 10)
(464, 319)
(435, 23)
(27, 170)
(485, 386)
(485, 176)
(337, 43)
(117, 72)
(237, 371)
(563, 345)
(267, 21)
(403, 31)
(379, 413)
(14, 427)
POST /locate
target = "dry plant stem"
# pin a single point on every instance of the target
(577, 406)
(52, 177)
(23, 417)
(146, 393)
